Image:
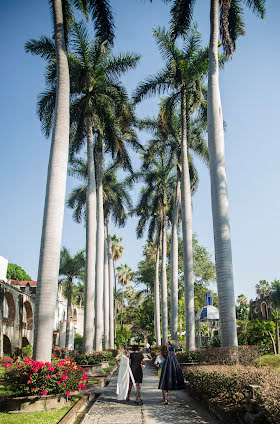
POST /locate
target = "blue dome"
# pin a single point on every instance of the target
(208, 312)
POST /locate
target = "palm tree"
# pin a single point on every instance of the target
(167, 129)
(183, 74)
(57, 170)
(152, 207)
(231, 27)
(263, 288)
(116, 201)
(106, 297)
(71, 267)
(99, 101)
(124, 275)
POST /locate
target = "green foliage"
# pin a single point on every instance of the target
(256, 332)
(95, 357)
(227, 388)
(15, 272)
(272, 361)
(27, 351)
(78, 342)
(244, 355)
(122, 336)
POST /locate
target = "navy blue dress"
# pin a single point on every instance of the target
(172, 377)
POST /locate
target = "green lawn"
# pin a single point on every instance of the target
(49, 417)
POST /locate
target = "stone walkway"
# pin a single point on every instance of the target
(180, 409)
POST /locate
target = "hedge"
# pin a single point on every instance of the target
(226, 387)
(243, 355)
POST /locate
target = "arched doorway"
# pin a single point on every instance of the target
(9, 309)
(264, 310)
(27, 315)
(25, 342)
(7, 347)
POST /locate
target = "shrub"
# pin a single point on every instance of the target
(95, 358)
(244, 355)
(189, 356)
(272, 361)
(26, 351)
(34, 377)
(78, 343)
(227, 386)
(122, 336)
(59, 352)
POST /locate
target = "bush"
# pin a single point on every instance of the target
(227, 386)
(122, 336)
(244, 355)
(27, 351)
(95, 358)
(59, 352)
(34, 377)
(272, 361)
(78, 342)
(189, 356)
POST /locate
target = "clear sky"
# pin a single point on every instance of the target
(250, 98)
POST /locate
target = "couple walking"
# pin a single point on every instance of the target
(131, 373)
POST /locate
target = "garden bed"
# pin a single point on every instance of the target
(237, 394)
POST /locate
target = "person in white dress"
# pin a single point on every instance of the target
(125, 374)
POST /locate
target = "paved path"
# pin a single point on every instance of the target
(180, 409)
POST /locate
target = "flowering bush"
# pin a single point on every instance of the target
(95, 358)
(6, 362)
(41, 378)
(227, 387)
(59, 352)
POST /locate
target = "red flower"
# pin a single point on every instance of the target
(68, 393)
(63, 377)
(44, 392)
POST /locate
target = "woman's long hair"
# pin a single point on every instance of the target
(164, 351)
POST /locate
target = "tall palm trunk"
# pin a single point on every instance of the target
(68, 318)
(54, 202)
(219, 196)
(99, 254)
(111, 286)
(174, 263)
(90, 244)
(164, 312)
(187, 229)
(106, 297)
(156, 294)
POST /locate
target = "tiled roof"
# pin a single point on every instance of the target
(23, 283)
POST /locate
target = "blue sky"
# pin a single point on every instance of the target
(250, 92)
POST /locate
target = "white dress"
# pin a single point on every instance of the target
(123, 377)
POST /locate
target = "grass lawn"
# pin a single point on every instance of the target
(43, 417)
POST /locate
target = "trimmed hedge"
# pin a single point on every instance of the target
(243, 355)
(95, 358)
(226, 387)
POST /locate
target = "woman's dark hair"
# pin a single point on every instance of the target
(135, 347)
(164, 350)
